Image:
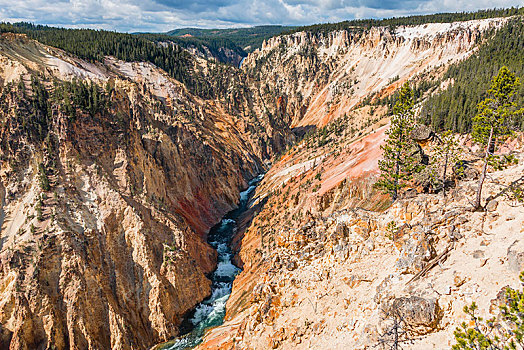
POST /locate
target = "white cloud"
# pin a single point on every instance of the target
(163, 15)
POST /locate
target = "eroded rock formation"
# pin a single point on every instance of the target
(105, 214)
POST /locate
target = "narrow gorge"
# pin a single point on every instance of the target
(210, 312)
(134, 213)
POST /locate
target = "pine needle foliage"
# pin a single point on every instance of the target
(398, 163)
(505, 333)
(454, 107)
(494, 118)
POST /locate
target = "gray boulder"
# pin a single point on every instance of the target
(415, 314)
(515, 256)
(422, 133)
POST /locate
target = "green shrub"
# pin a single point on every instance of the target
(493, 334)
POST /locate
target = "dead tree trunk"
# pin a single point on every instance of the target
(477, 205)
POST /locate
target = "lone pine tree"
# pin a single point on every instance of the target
(398, 164)
(493, 120)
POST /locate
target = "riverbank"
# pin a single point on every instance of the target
(210, 313)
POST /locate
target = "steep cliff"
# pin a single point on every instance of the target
(323, 76)
(112, 173)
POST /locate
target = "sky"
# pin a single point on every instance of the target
(164, 15)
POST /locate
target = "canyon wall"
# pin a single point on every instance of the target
(105, 214)
(319, 266)
(322, 76)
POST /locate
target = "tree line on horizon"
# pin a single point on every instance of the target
(363, 24)
(93, 45)
(246, 39)
(453, 108)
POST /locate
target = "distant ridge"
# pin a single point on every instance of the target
(249, 39)
(447, 17)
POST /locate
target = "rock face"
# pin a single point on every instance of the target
(104, 213)
(325, 75)
(515, 256)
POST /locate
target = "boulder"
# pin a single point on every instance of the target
(478, 254)
(515, 256)
(341, 251)
(422, 133)
(415, 314)
(291, 265)
(341, 229)
(492, 205)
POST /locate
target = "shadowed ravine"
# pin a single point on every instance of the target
(210, 313)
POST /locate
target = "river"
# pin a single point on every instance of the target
(210, 313)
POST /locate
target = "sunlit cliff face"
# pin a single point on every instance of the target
(324, 76)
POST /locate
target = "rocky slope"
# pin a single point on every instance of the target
(335, 272)
(104, 214)
(322, 266)
(323, 76)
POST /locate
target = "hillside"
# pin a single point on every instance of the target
(416, 20)
(452, 108)
(112, 173)
(249, 39)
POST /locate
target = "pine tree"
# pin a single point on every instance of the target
(493, 119)
(398, 164)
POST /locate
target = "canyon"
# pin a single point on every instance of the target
(116, 254)
(113, 252)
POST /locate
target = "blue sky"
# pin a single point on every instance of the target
(163, 15)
